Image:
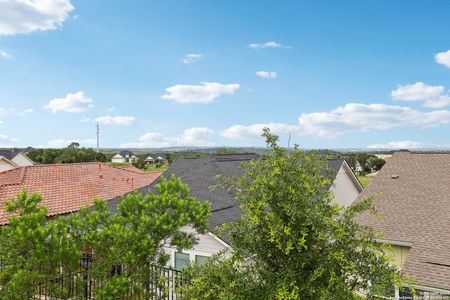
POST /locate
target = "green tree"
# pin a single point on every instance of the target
(292, 241)
(35, 249)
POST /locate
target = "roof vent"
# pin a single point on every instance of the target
(394, 176)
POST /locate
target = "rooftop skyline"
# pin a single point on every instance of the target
(373, 74)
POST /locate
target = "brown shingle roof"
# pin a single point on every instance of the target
(65, 188)
(415, 207)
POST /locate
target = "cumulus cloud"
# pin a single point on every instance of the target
(397, 145)
(432, 96)
(270, 44)
(115, 120)
(418, 91)
(25, 16)
(443, 58)
(7, 141)
(62, 143)
(191, 58)
(254, 131)
(204, 93)
(196, 136)
(73, 103)
(266, 74)
(352, 117)
(6, 55)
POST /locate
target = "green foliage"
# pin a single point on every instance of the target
(292, 242)
(368, 162)
(32, 249)
(36, 249)
(71, 154)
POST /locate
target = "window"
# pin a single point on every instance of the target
(181, 260)
(200, 259)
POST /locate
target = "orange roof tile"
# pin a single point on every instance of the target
(65, 188)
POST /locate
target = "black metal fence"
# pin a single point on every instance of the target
(162, 284)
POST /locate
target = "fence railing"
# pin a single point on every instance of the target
(162, 284)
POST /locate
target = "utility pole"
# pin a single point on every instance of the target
(98, 138)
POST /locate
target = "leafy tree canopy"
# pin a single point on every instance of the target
(35, 249)
(293, 241)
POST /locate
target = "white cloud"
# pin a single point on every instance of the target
(22, 112)
(352, 117)
(397, 145)
(6, 55)
(266, 74)
(112, 108)
(204, 93)
(115, 120)
(7, 141)
(432, 96)
(408, 145)
(25, 16)
(191, 58)
(62, 143)
(73, 103)
(254, 131)
(364, 117)
(443, 58)
(440, 101)
(270, 44)
(196, 136)
(418, 91)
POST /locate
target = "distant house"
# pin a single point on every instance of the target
(412, 200)
(124, 156)
(65, 188)
(200, 174)
(155, 159)
(13, 158)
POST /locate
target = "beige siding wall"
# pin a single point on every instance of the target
(5, 166)
(22, 160)
(207, 246)
(344, 189)
(397, 255)
(118, 160)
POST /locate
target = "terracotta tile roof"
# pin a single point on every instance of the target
(66, 188)
(415, 208)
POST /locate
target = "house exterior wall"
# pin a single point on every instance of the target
(5, 166)
(397, 254)
(207, 245)
(344, 189)
(22, 160)
(120, 160)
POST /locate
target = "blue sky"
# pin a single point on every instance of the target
(347, 74)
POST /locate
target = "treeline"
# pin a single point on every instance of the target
(71, 154)
(363, 163)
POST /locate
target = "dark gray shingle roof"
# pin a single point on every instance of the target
(9, 153)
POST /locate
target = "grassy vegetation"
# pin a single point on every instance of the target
(154, 168)
(365, 180)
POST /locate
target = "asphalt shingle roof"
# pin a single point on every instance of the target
(415, 208)
(200, 174)
(9, 153)
(65, 188)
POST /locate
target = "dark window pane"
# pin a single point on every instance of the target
(181, 260)
(200, 259)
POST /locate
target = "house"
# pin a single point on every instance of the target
(12, 158)
(156, 159)
(200, 174)
(124, 156)
(65, 188)
(412, 199)
(149, 160)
